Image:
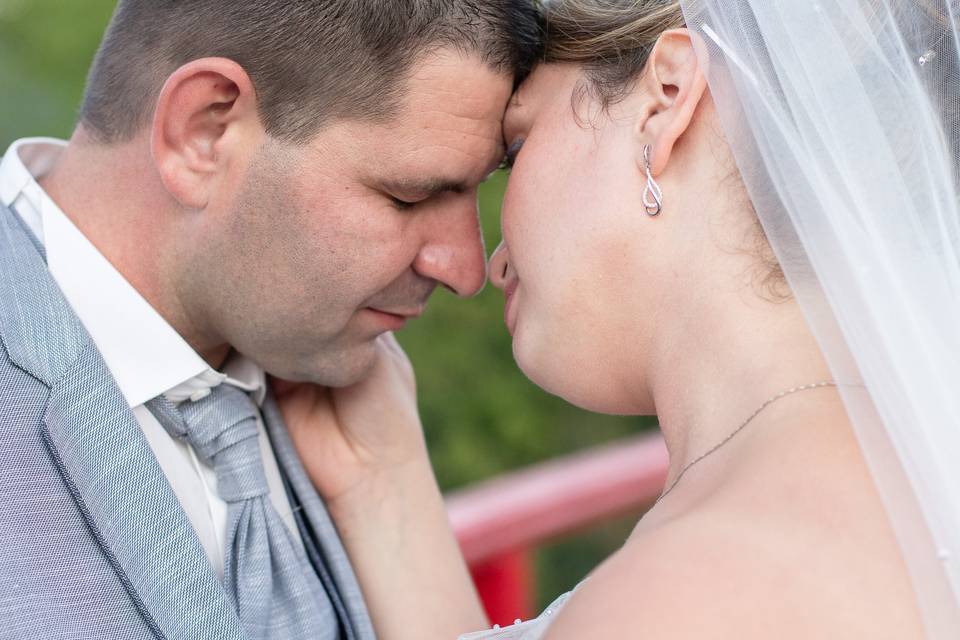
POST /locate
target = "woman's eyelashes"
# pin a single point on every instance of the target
(512, 152)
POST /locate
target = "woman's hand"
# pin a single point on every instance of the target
(364, 451)
(351, 436)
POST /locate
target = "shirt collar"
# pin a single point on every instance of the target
(144, 353)
(18, 188)
(238, 371)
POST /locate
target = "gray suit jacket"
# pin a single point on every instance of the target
(93, 541)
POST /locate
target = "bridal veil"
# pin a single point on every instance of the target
(843, 117)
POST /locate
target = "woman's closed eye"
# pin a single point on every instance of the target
(512, 151)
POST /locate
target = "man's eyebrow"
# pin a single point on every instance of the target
(424, 187)
(428, 187)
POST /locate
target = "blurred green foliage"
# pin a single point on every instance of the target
(482, 416)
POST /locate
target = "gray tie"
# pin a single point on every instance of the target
(266, 575)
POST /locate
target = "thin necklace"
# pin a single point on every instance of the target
(779, 396)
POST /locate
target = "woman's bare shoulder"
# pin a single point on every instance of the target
(722, 576)
(671, 582)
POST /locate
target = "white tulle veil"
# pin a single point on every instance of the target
(843, 117)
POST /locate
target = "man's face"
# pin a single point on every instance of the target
(321, 252)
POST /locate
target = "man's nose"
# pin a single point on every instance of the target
(453, 253)
(500, 267)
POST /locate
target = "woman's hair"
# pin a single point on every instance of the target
(611, 39)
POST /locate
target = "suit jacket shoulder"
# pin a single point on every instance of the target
(93, 541)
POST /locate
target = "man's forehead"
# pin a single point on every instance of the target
(453, 110)
(447, 83)
(447, 131)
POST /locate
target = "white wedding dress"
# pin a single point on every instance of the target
(529, 630)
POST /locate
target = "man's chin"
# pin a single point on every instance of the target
(350, 375)
(341, 369)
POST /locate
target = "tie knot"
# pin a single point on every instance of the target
(222, 429)
(224, 417)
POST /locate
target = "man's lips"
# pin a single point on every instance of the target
(395, 319)
(409, 313)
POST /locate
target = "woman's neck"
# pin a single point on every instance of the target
(719, 365)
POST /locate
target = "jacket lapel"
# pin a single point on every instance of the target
(133, 512)
(106, 462)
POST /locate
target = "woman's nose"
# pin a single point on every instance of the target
(500, 270)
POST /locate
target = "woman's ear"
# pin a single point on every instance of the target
(673, 83)
(204, 113)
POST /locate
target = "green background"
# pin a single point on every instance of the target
(482, 416)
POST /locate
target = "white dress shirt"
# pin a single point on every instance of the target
(144, 353)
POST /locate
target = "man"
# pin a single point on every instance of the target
(254, 186)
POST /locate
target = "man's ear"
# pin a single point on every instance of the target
(673, 82)
(205, 111)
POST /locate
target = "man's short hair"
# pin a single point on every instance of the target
(311, 61)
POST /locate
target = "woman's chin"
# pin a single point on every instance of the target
(581, 386)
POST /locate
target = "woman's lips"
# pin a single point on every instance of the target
(508, 292)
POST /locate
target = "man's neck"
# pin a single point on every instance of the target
(112, 195)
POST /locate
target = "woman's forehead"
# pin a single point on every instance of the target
(546, 82)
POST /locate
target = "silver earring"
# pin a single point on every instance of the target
(652, 195)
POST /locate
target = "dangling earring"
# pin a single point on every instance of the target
(652, 195)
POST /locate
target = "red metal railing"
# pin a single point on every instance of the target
(500, 522)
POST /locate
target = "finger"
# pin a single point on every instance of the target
(392, 346)
(389, 342)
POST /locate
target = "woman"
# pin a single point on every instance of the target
(806, 415)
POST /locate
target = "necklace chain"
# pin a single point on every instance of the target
(767, 403)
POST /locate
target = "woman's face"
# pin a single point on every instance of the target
(578, 254)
